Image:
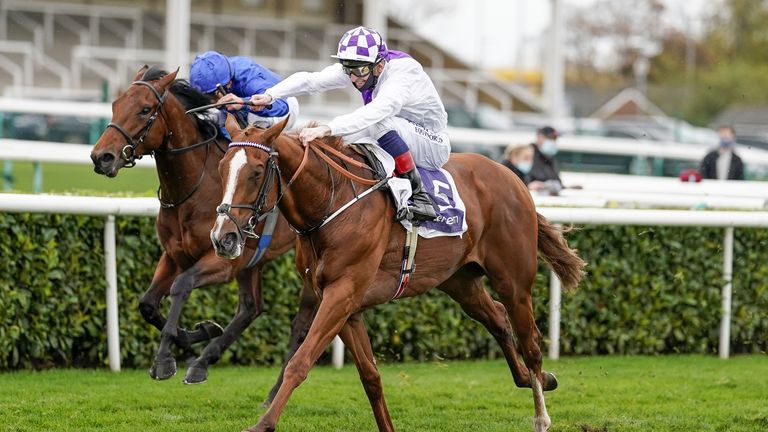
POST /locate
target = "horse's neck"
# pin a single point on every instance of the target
(307, 199)
(180, 173)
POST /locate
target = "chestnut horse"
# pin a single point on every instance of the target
(354, 260)
(149, 118)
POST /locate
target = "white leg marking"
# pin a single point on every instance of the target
(541, 422)
(235, 165)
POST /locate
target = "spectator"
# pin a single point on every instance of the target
(544, 177)
(723, 163)
(519, 158)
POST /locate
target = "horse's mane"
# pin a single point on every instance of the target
(187, 95)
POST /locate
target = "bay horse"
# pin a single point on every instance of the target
(149, 118)
(353, 261)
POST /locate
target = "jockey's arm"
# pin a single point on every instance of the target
(301, 83)
(390, 98)
(278, 108)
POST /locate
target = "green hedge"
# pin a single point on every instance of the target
(648, 291)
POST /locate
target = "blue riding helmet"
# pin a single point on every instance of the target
(209, 70)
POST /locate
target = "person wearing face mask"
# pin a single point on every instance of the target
(225, 78)
(519, 158)
(544, 177)
(723, 163)
(401, 108)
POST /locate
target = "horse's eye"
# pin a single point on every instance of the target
(145, 110)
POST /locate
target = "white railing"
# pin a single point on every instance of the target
(109, 207)
(483, 137)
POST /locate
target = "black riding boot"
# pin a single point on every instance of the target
(422, 209)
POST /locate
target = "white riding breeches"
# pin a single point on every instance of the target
(429, 149)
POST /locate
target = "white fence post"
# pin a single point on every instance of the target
(725, 323)
(555, 299)
(110, 257)
(338, 353)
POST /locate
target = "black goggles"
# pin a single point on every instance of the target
(358, 71)
(218, 92)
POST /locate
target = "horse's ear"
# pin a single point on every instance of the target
(231, 124)
(140, 73)
(166, 80)
(274, 130)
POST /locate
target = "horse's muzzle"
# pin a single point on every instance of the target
(227, 245)
(105, 163)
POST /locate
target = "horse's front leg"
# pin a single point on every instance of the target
(208, 270)
(339, 301)
(299, 329)
(250, 305)
(149, 305)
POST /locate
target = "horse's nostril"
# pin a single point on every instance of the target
(229, 241)
(106, 158)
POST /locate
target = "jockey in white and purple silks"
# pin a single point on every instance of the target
(402, 109)
(216, 75)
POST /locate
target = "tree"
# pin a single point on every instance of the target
(608, 36)
(737, 31)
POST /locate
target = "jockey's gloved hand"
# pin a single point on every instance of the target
(228, 98)
(310, 134)
(260, 101)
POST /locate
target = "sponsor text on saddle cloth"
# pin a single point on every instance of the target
(451, 215)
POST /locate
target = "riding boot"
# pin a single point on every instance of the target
(422, 207)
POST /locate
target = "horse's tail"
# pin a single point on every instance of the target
(561, 258)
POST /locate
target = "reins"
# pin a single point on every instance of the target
(128, 152)
(273, 171)
(172, 152)
(343, 171)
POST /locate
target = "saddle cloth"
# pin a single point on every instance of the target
(450, 221)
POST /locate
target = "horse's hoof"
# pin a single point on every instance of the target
(195, 375)
(550, 381)
(163, 369)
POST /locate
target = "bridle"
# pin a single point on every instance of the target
(258, 211)
(128, 153)
(273, 174)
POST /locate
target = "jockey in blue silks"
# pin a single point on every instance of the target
(402, 109)
(216, 75)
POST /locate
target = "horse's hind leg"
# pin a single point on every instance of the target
(299, 328)
(466, 288)
(250, 305)
(356, 338)
(208, 270)
(513, 284)
(149, 305)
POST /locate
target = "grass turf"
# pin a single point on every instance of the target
(80, 179)
(670, 393)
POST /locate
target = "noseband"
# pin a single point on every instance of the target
(129, 151)
(258, 211)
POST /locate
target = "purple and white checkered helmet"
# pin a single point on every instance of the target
(361, 44)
